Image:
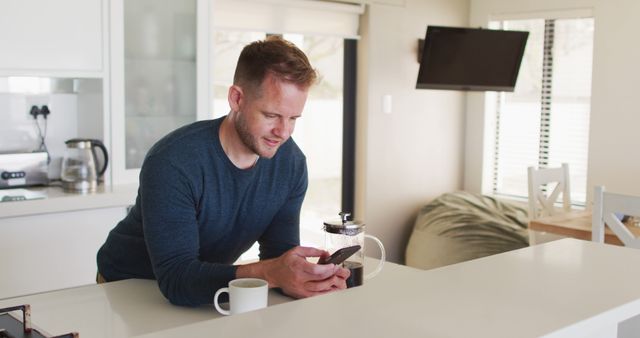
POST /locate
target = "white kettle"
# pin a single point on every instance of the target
(79, 173)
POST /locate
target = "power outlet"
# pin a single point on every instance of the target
(35, 111)
(38, 101)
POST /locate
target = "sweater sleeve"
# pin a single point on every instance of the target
(168, 201)
(283, 233)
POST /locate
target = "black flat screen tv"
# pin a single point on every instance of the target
(456, 58)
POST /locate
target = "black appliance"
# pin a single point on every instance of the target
(457, 58)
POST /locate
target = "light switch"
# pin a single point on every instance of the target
(386, 104)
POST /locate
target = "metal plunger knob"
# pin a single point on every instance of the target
(344, 216)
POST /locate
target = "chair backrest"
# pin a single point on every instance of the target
(605, 207)
(541, 204)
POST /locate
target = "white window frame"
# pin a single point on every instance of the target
(491, 98)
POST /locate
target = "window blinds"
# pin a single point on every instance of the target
(545, 121)
(288, 16)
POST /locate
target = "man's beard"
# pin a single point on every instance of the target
(247, 138)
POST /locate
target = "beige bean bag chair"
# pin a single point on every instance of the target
(461, 226)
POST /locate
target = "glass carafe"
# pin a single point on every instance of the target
(344, 233)
(79, 172)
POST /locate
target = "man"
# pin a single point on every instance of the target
(211, 189)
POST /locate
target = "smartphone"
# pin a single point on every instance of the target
(340, 255)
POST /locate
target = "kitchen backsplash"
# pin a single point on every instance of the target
(75, 107)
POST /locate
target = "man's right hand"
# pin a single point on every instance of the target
(295, 275)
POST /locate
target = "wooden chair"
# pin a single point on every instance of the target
(605, 207)
(541, 204)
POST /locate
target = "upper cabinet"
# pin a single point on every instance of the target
(52, 38)
(146, 61)
(159, 74)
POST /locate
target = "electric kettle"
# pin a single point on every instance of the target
(79, 173)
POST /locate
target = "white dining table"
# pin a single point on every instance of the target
(566, 288)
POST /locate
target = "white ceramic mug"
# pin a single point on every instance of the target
(245, 294)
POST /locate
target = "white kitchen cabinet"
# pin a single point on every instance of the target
(159, 75)
(52, 251)
(52, 38)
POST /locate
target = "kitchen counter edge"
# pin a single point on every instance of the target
(59, 201)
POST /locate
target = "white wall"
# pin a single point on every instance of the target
(615, 116)
(406, 158)
(614, 159)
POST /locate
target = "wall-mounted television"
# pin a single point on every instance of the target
(457, 58)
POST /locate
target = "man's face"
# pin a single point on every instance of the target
(266, 120)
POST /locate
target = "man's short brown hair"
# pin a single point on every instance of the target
(276, 56)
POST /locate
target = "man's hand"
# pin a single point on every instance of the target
(295, 275)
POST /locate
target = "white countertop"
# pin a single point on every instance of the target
(566, 288)
(131, 307)
(57, 200)
(117, 309)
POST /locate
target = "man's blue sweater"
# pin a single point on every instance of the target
(196, 213)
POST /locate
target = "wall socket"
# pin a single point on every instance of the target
(36, 100)
(43, 110)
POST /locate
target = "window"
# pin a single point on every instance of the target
(326, 32)
(545, 121)
(319, 133)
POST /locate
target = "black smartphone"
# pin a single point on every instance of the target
(340, 255)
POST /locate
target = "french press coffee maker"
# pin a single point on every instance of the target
(344, 233)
